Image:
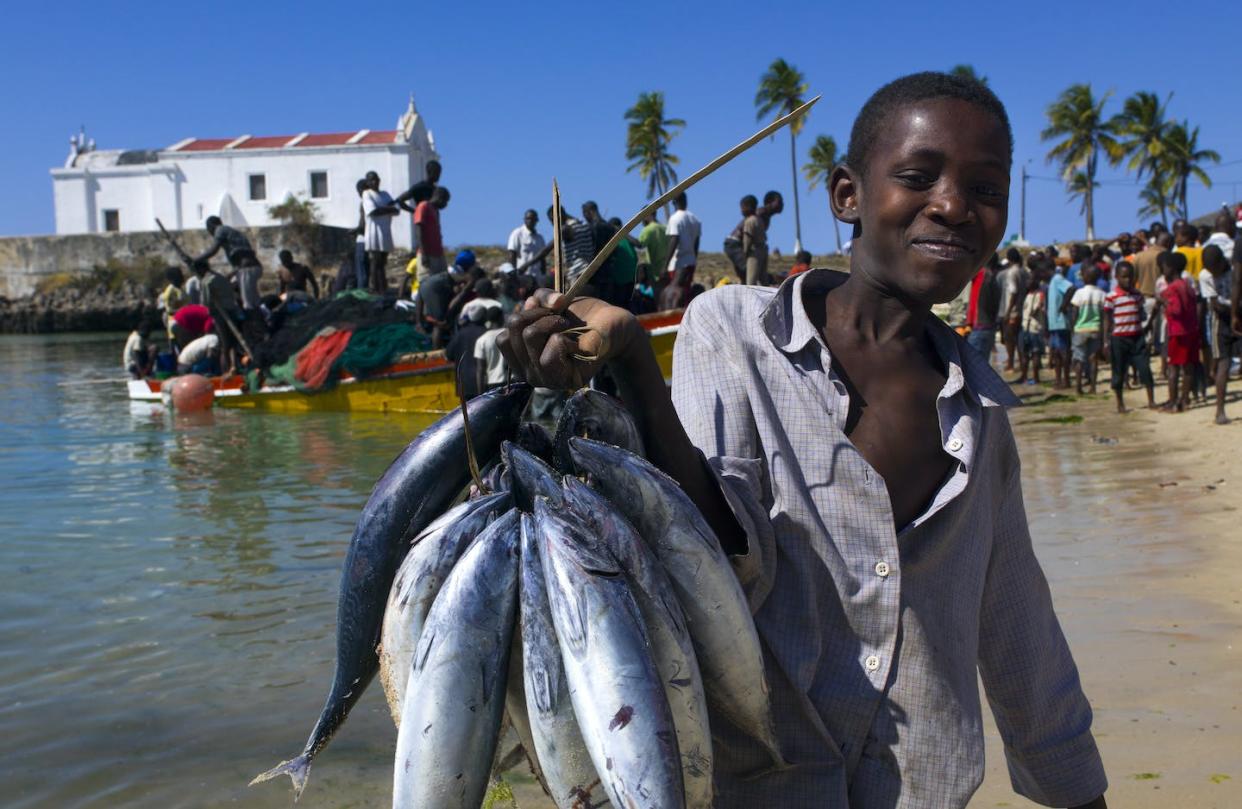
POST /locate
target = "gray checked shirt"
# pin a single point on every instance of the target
(875, 638)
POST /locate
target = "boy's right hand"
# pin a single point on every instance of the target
(564, 350)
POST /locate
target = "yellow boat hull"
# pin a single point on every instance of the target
(430, 389)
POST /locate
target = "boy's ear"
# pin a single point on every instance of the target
(843, 190)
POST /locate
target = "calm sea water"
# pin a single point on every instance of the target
(168, 584)
(167, 591)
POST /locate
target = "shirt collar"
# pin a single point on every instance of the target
(789, 328)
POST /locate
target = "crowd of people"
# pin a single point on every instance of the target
(1166, 293)
(1169, 294)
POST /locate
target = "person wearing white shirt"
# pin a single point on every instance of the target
(526, 243)
(378, 209)
(683, 234)
(1223, 232)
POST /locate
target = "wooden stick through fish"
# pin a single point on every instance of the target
(471, 460)
(558, 260)
(576, 289)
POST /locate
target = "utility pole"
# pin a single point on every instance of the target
(1022, 219)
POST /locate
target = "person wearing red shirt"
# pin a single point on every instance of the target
(1181, 311)
(189, 323)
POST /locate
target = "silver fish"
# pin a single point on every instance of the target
(415, 489)
(729, 655)
(671, 645)
(613, 683)
(531, 476)
(454, 702)
(568, 772)
(418, 581)
(594, 415)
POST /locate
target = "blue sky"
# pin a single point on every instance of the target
(517, 93)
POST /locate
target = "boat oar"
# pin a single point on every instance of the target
(576, 288)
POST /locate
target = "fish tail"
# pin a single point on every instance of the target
(297, 769)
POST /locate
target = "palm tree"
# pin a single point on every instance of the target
(823, 159)
(965, 71)
(781, 88)
(1077, 118)
(1155, 196)
(646, 143)
(1080, 187)
(1183, 158)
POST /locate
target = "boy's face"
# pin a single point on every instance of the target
(934, 201)
(1125, 278)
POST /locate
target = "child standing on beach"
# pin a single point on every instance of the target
(1216, 288)
(1127, 341)
(856, 461)
(1031, 334)
(1181, 312)
(1059, 292)
(1088, 306)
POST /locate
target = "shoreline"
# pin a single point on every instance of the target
(1148, 590)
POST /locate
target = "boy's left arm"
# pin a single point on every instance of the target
(1028, 672)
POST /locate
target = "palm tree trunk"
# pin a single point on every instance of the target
(1089, 198)
(793, 164)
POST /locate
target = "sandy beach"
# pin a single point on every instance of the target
(1148, 586)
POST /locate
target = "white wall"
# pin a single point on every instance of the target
(183, 189)
(208, 175)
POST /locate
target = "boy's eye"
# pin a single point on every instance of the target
(916, 178)
(990, 191)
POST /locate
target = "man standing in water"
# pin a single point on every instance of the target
(856, 460)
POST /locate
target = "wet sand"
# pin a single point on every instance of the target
(1144, 558)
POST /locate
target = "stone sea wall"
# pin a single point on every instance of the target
(109, 281)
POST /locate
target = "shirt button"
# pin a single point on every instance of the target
(955, 444)
(881, 569)
(872, 663)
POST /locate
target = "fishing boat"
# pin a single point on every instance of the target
(415, 383)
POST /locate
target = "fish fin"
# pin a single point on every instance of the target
(297, 769)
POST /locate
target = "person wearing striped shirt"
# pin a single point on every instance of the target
(1127, 342)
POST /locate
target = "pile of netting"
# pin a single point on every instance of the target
(354, 334)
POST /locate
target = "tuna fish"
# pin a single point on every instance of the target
(671, 646)
(612, 680)
(568, 772)
(418, 487)
(531, 477)
(454, 704)
(419, 580)
(727, 645)
(595, 415)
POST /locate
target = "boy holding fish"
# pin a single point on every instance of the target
(854, 457)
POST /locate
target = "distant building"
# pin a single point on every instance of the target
(237, 178)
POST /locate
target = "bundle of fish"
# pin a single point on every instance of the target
(601, 616)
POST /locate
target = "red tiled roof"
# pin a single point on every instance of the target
(330, 139)
(280, 141)
(206, 144)
(266, 142)
(386, 136)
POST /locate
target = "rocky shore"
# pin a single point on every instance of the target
(73, 308)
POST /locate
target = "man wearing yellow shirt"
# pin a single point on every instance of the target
(1185, 239)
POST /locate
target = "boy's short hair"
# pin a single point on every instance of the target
(771, 197)
(1090, 274)
(749, 201)
(910, 90)
(1123, 265)
(803, 257)
(1172, 260)
(1213, 255)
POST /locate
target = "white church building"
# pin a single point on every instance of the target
(238, 178)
